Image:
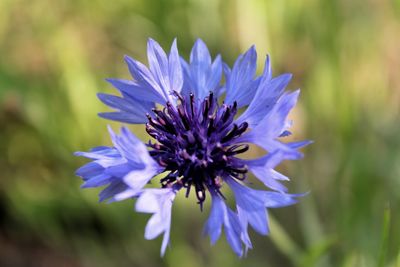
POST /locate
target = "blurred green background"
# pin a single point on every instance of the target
(345, 56)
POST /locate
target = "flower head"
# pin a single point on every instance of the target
(197, 139)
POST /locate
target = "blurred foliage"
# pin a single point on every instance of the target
(54, 56)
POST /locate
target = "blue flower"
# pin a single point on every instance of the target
(197, 139)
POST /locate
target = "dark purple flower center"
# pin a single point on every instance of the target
(195, 143)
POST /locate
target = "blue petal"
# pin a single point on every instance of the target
(167, 72)
(240, 83)
(255, 214)
(158, 63)
(201, 75)
(124, 117)
(127, 164)
(175, 69)
(105, 150)
(102, 158)
(132, 149)
(277, 118)
(285, 133)
(113, 189)
(268, 179)
(125, 194)
(250, 206)
(299, 144)
(88, 170)
(188, 85)
(156, 225)
(159, 202)
(134, 90)
(267, 73)
(127, 105)
(165, 241)
(110, 162)
(137, 179)
(268, 93)
(148, 201)
(233, 232)
(200, 61)
(215, 220)
(200, 54)
(262, 168)
(215, 76)
(267, 131)
(119, 170)
(222, 215)
(98, 180)
(143, 76)
(99, 153)
(278, 200)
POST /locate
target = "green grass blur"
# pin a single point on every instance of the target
(345, 56)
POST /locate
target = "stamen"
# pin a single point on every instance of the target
(195, 144)
(230, 135)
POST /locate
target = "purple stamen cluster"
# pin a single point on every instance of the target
(194, 143)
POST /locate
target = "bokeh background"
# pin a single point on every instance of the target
(345, 56)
